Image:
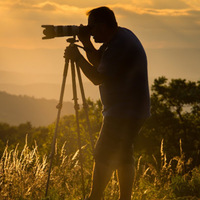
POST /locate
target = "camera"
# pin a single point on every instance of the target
(51, 31)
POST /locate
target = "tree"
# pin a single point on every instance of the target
(175, 115)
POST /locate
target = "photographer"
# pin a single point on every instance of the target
(119, 67)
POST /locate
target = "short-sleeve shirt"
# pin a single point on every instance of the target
(125, 91)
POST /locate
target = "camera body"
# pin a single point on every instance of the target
(51, 31)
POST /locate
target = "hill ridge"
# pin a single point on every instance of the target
(16, 109)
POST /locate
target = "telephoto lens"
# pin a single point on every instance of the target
(51, 31)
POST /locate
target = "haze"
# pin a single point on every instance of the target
(169, 31)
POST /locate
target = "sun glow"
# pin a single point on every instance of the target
(160, 25)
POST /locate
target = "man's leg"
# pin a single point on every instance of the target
(126, 178)
(101, 176)
(126, 170)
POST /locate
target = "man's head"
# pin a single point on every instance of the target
(102, 22)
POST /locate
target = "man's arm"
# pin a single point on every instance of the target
(93, 55)
(90, 71)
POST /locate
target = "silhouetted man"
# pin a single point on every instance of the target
(119, 67)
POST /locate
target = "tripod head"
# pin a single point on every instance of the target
(72, 40)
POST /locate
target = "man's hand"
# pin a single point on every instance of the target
(72, 53)
(84, 34)
(92, 53)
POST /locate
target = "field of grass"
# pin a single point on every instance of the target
(23, 175)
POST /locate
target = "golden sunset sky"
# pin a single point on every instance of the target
(168, 29)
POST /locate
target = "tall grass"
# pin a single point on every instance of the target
(169, 180)
(23, 175)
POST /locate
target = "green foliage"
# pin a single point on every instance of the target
(167, 151)
(13, 135)
(175, 115)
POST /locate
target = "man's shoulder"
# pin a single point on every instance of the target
(125, 38)
(126, 33)
(124, 30)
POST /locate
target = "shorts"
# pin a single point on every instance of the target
(115, 144)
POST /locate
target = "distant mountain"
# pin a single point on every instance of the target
(49, 90)
(40, 73)
(20, 109)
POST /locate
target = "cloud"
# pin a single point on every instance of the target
(160, 4)
(165, 20)
(161, 24)
(25, 13)
(152, 11)
(52, 6)
(162, 28)
(44, 8)
(21, 21)
(195, 4)
(48, 6)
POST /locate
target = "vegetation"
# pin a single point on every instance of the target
(167, 151)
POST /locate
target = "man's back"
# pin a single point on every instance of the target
(125, 91)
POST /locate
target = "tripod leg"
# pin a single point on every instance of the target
(59, 107)
(76, 107)
(85, 106)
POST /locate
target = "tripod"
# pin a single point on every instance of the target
(74, 68)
